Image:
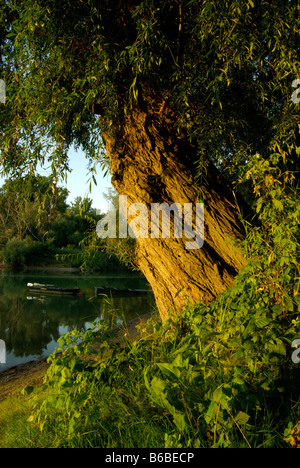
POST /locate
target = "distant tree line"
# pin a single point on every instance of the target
(37, 225)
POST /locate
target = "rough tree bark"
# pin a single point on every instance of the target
(153, 163)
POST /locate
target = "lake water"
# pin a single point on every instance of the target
(31, 323)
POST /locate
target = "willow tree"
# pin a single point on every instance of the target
(183, 92)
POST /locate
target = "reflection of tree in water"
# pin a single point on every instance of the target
(28, 325)
(26, 330)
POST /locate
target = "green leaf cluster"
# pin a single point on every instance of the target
(225, 68)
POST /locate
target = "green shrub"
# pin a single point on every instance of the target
(15, 253)
(37, 252)
(18, 253)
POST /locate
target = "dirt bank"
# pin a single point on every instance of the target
(32, 373)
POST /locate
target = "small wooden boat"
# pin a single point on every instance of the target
(52, 289)
(108, 290)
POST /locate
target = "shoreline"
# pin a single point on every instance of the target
(51, 267)
(61, 268)
(32, 373)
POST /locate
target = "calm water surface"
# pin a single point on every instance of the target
(31, 323)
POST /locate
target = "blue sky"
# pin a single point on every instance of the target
(78, 182)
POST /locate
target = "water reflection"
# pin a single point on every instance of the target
(30, 323)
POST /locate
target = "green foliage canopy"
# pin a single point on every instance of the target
(28, 206)
(226, 67)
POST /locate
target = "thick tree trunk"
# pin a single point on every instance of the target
(153, 163)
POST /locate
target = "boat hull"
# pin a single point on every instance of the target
(120, 291)
(50, 289)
